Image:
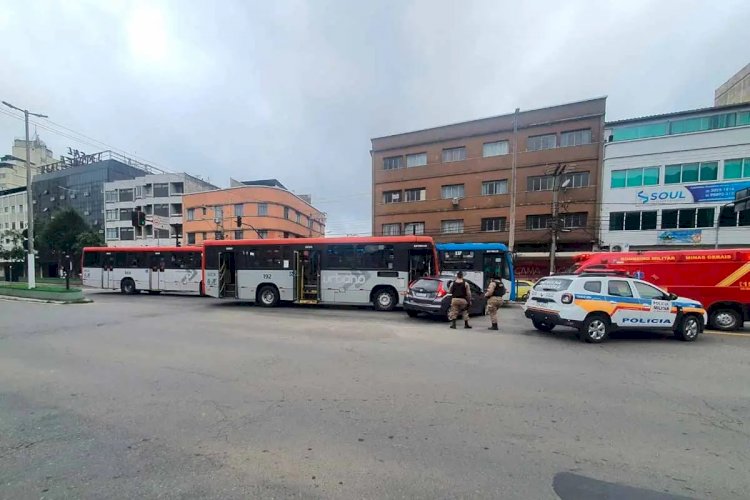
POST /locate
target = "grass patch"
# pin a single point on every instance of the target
(39, 288)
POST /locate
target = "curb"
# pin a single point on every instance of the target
(45, 301)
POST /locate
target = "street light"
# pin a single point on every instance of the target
(29, 199)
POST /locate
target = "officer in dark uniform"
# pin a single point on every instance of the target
(494, 294)
(460, 300)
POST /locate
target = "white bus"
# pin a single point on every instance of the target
(351, 271)
(150, 269)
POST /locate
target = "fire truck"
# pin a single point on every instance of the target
(718, 279)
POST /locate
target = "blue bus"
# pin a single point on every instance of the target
(479, 261)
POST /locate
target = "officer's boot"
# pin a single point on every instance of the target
(453, 324)
(466, 324)
(493, 327)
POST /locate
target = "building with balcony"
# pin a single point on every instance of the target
(13, 166)
(455, 182)
(157, 195)
(266, 210)
(668, 180)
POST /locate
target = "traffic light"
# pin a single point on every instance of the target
(239, 221)
(138, 218)
(25, 237)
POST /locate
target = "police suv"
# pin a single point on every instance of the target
(598, 303)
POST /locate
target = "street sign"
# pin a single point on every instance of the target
(159, 222)
(742, 200)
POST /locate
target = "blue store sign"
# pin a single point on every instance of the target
(716, 192)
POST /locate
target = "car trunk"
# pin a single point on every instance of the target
(424, 291)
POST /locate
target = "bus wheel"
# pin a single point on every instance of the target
(268, 296)
(127, 286)
(725, 319)
(384, 300)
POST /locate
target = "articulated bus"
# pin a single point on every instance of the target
(479, 261)
(718, 279)
(150, 269)
(349, 271)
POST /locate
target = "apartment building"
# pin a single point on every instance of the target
(669, 180)
(12, 223)
(13, 166)
(265, 207)
(455, 182)
(155, 194)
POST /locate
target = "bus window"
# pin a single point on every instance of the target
(269, 257)
(91, 259)
(375, 256)
(121, 259)
(135, 260)
(457, 260)
(175, 260)
(341, 257)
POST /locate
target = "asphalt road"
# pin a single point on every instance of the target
(186, 397)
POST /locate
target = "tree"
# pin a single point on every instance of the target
(15, 254)
(66, 235)
(89, 239)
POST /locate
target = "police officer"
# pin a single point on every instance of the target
(494, 294)
(460, 301)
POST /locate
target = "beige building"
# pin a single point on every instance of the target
(13, 166)
(736, 90)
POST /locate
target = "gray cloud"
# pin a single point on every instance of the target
(295, 90)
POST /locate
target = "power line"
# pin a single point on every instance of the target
(81, 138)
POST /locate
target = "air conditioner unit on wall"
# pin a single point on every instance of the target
(619, 247)
(455, 201)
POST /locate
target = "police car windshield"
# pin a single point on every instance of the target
(553, 284)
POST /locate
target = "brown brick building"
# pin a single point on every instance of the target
(455, 182)
(267, 210)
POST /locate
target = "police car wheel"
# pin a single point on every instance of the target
(542, 326)
(595, 329)
(689, 329)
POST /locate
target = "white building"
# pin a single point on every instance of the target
(13, 166)
(12, 221)
(667, 179)
(157, 195)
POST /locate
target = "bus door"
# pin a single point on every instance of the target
(227, 274)
(108, 266)
(492, 265)
(307, 276)
(158, 268)
(420, 263)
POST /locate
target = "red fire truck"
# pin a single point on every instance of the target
(719, 279)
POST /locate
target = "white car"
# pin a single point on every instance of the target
(598, 303)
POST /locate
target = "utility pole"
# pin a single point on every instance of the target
(557, 174)
(513, 184)
(29, 198)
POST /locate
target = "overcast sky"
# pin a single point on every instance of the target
(295, 89)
